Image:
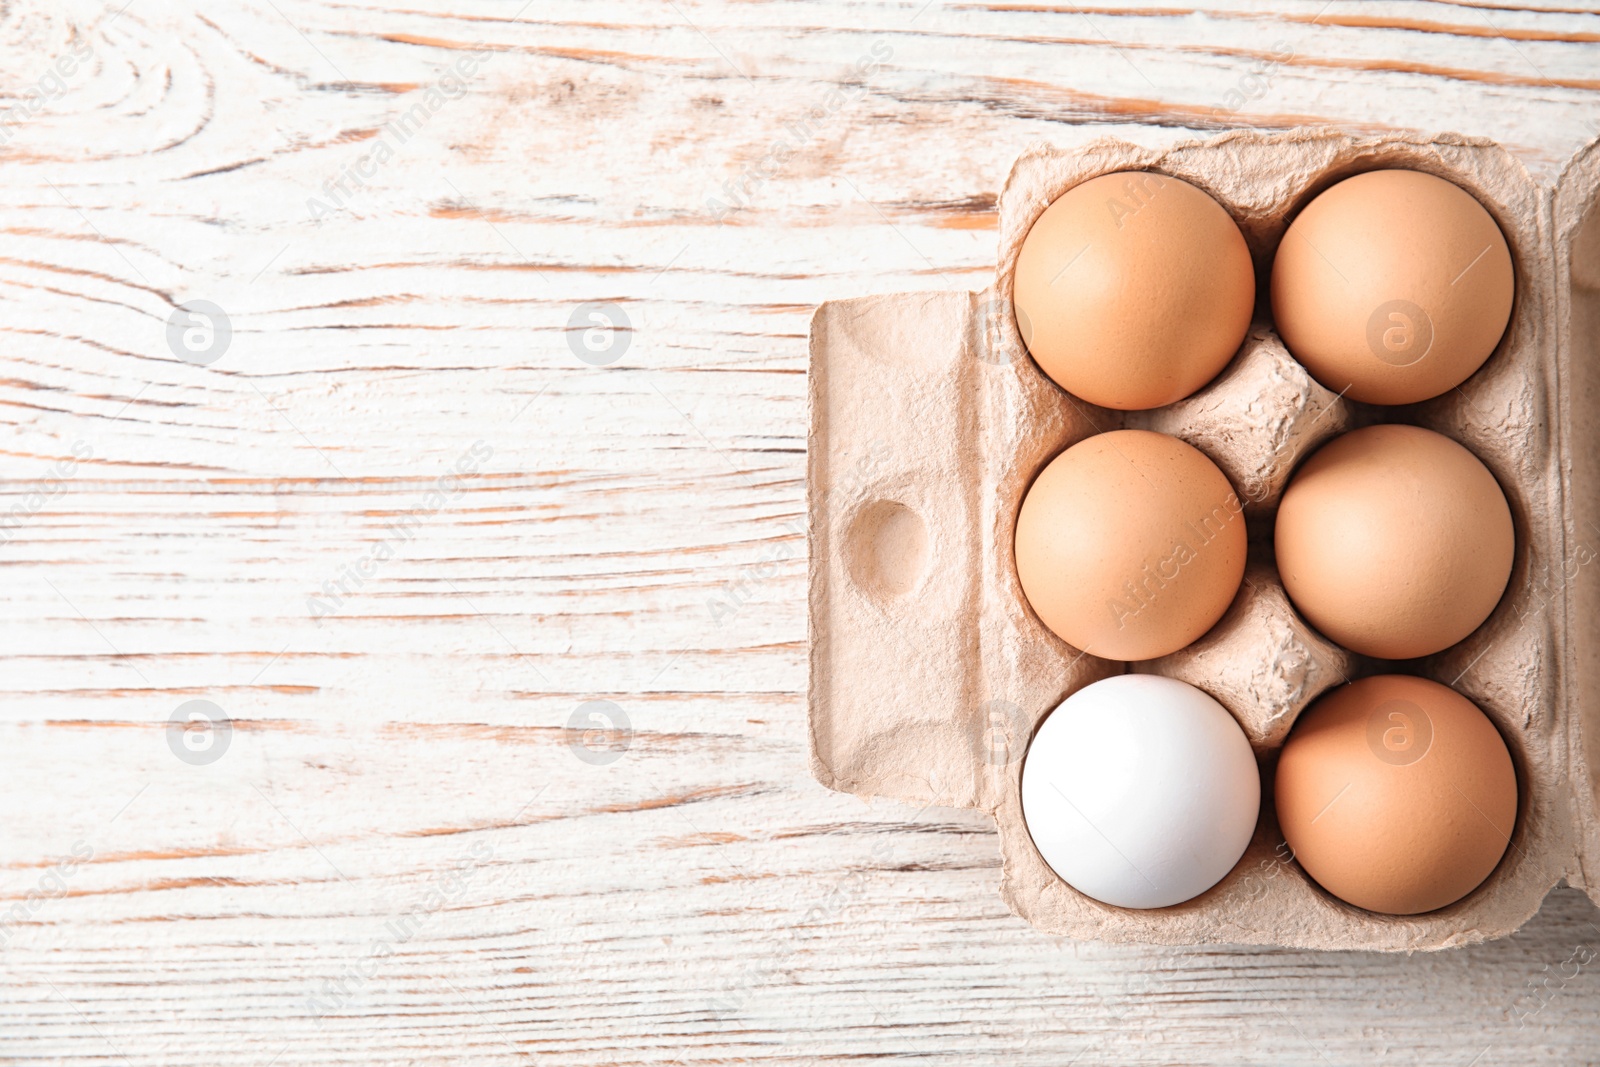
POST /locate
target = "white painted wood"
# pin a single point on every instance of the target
(404, 765)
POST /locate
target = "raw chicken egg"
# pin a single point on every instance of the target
(1140, 791)
(1394, 541)
(1133, 290)
(1130, 545)
(1392, 286)
(1396, 794)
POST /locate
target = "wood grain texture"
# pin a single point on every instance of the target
(400, 859)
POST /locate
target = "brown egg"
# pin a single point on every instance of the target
(1396, 794)
(1394, 541)
(1392, 286)
(1130, 545)
(1133, 290)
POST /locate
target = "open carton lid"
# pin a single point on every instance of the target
(929, 672)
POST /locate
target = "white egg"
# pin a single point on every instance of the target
(1140, 791)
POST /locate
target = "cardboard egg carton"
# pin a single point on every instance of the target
(929, 671)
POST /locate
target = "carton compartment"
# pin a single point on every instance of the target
(963, 740)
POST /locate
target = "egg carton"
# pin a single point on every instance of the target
(929, 672)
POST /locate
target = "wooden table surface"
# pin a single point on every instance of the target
(381, 506)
